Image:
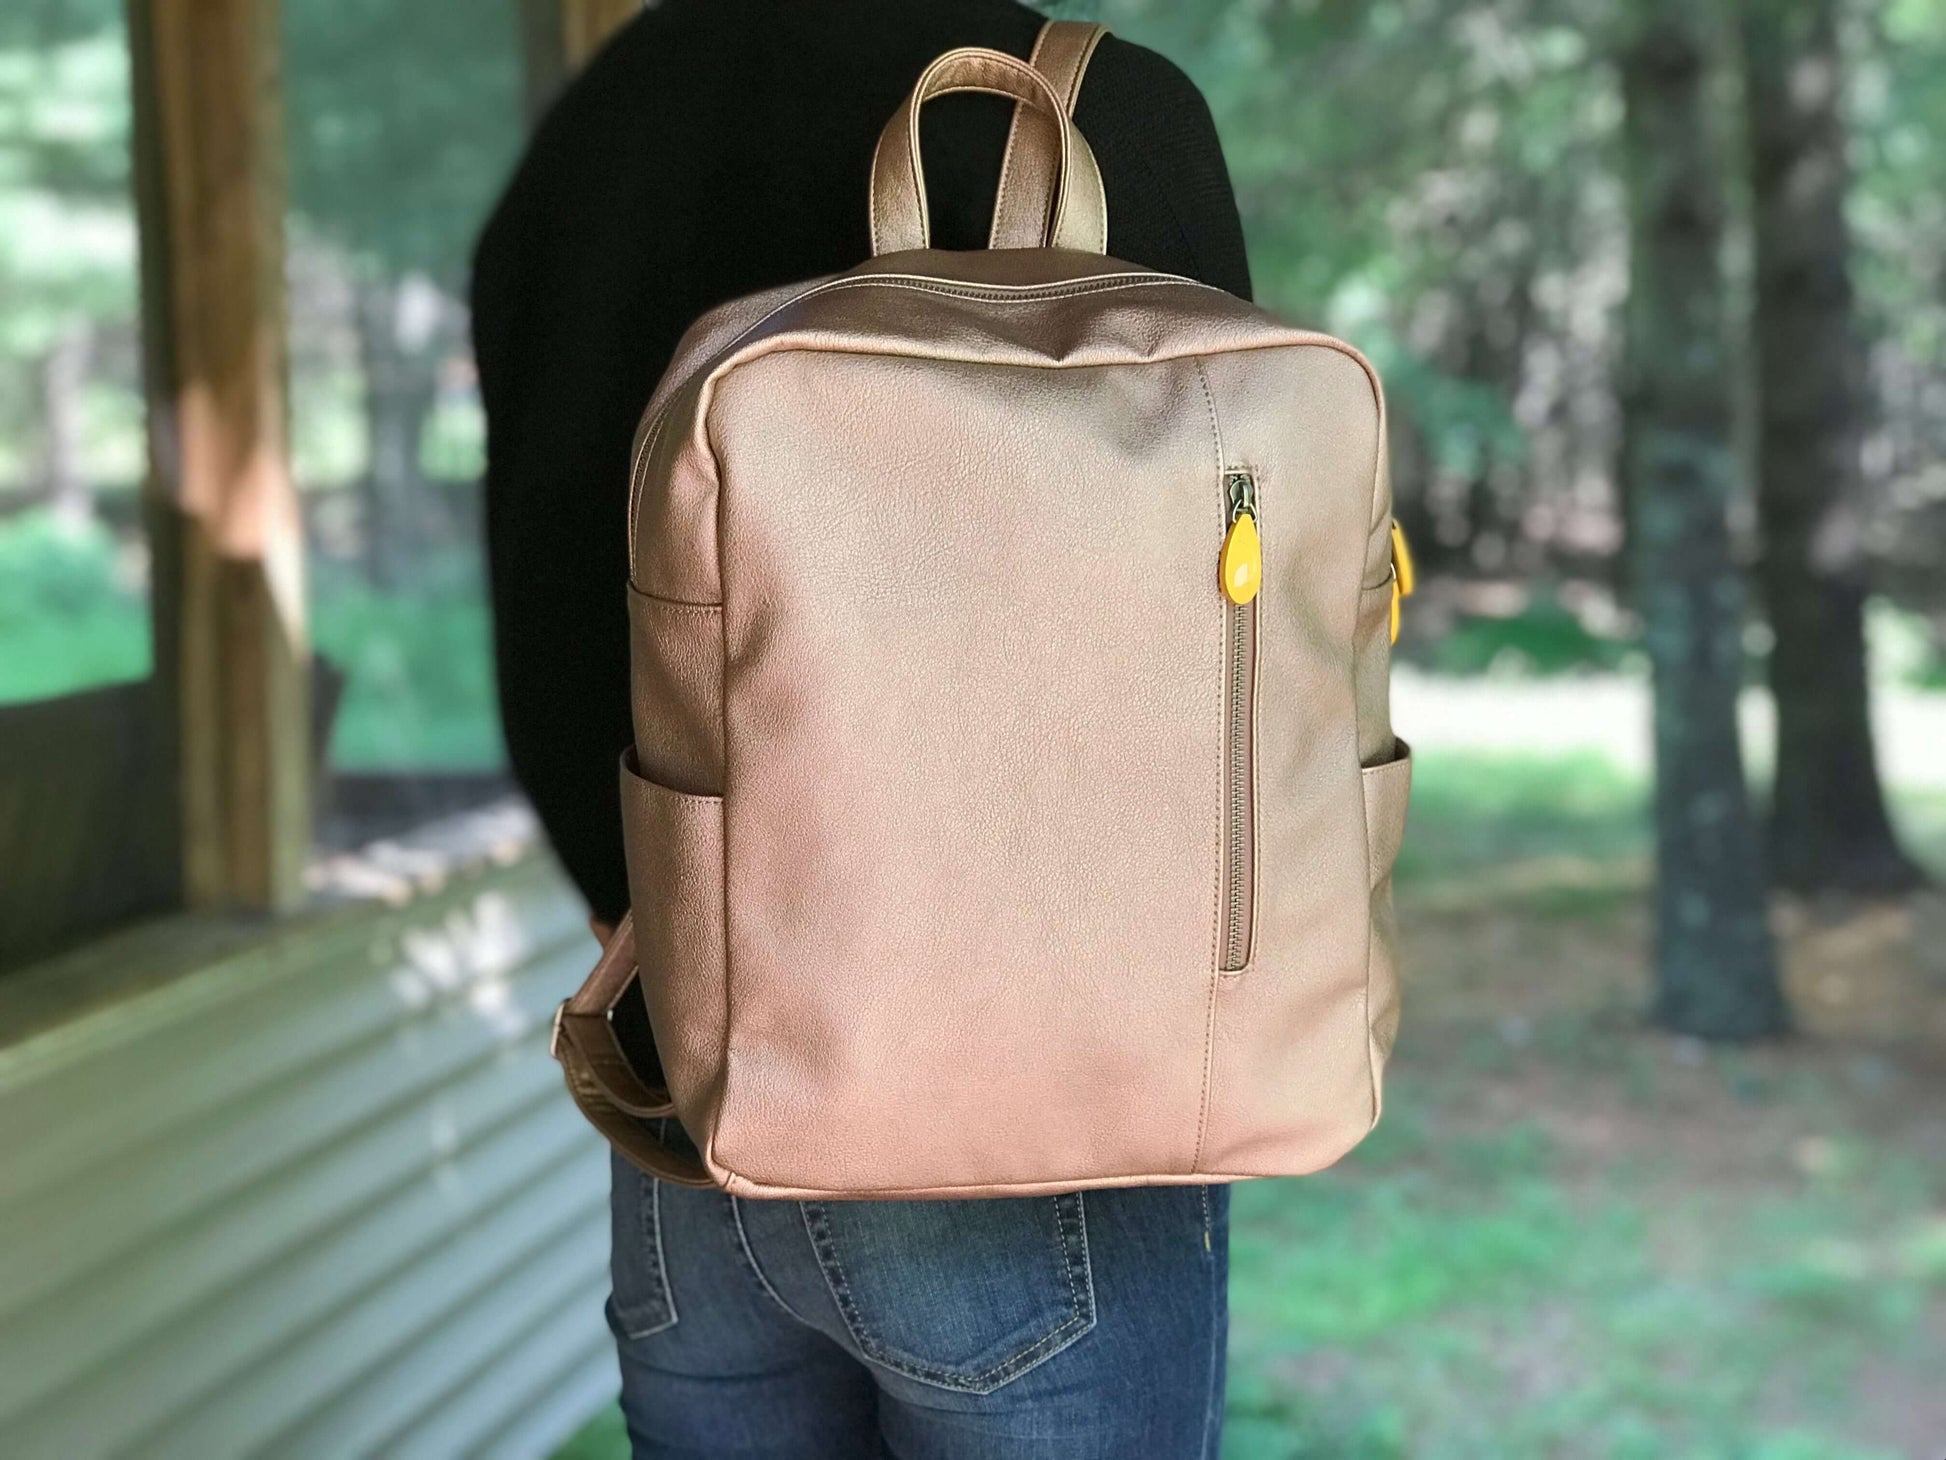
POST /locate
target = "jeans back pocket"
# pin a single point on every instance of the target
(639, 1303)
(962, 1295)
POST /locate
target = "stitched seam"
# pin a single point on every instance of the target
(819, 1231)
(1218, 1293)
(996, 293)
(1209, 400)
(750, 1261)
(1006, 176)
(1070, 98)
(634, 472)
(1378, 476)
(649, 1234)
(1007, 158)
(673, 605)
(752, 1187)
(1216, 898)
(685, 800)
(918, 175)
(1087, 1257)
(817, 1226)
(723, 719)
(1007, 294)
(871, 196)
(1012, 293)
(1371, 1044)
(661, 1260)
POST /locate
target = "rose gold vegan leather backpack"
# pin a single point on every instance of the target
(1013, 797)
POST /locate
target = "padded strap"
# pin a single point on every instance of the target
(1062, 52)
(899, 219)
(616, 1100)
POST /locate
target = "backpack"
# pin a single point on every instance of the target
(1013, 797)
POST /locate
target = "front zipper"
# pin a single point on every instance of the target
(1240, 569)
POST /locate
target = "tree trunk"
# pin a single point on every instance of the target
(1829, 828)
(399, 331)
(1716, 973)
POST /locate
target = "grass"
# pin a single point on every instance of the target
(1543, 638)
(1573, 1236)
(419, 666)
(418, 660)
(70, 614)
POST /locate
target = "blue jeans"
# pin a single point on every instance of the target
(1024, 1328)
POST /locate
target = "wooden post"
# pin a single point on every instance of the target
(232, 658)
(587, 24)
(559, 37)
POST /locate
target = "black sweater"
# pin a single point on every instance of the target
(715, 148)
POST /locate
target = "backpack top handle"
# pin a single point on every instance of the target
(1065, 167)
(1062, 52)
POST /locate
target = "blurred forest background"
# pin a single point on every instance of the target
(402, 124)
(1659, 293)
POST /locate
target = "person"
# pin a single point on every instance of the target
(712, 149)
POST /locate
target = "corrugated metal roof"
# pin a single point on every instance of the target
(322, 1196)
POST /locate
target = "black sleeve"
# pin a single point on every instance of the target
(1170, 204)
(556, 550)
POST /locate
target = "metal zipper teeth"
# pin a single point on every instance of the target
(1239, 830)
(1239, 833)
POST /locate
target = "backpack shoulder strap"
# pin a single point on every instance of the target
(602, 1080)
(1061, 54)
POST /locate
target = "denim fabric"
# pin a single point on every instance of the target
(1024, 1328)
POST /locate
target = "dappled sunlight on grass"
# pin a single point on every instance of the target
(1573, 1235)
(1490, 826)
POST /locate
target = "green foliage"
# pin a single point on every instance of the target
(329, 449)
(1503, 1313)
(1544, 638)
(1899, 207)
(1466, 423)
(1481, 814)
(71, 614)
(1462, 1288)
(605, 1437)
(454, 446)
(64, 100)
(1904, 647)
(403, 123)
(67, 228)
(67, 242)
(1437, 181)
(1428, 178)
(1343, 1262)
(419, 692)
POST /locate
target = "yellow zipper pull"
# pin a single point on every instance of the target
(1241, 565)
(1402, 574)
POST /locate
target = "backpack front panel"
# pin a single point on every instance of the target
(973, 684)
(973, 723)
